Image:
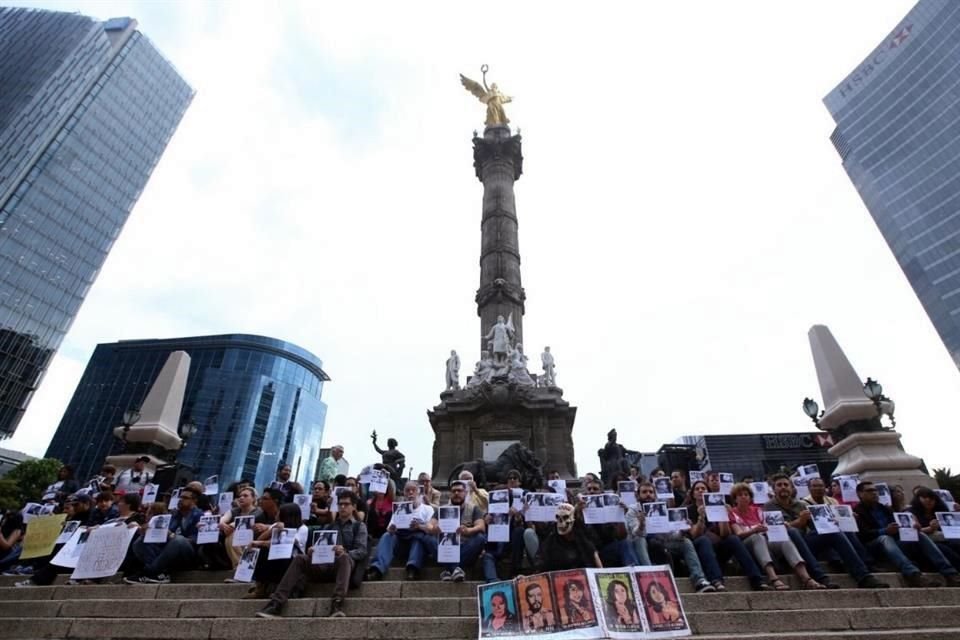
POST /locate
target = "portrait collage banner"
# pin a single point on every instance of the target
(626, 602)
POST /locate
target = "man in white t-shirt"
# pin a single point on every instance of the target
(136, 478)
(411, 542)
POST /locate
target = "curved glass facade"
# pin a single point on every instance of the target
(86, 110)
(898, 133)
(256, 402)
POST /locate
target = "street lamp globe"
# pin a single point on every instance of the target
(873, 389)
(130, 417)
(811, 408)
(187, 430)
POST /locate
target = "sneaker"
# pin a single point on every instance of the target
(446, 576)
(25, 583)
(136, 578)
(269, 611)
(412, 573)
(869, 582)
(718, 585)
(24, 570)
(919, 581)
(373, 574)
(459, 575)
(705, 587)
(336, 608)
(160, 578)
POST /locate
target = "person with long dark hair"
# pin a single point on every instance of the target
(660, 608)
(925, 505)
(576, 604)
(620, 609)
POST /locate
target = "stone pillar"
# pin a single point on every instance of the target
(159, 416)
(865, 448)
(498, 162)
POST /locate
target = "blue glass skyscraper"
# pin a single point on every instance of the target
(898, 134)
(256, 402)
(86, 110)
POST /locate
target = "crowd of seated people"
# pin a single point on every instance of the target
(368, 542)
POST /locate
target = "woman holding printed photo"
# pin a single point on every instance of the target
(747, 522)
(924, 507)
(270, 572)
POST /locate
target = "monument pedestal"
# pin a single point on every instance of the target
(498, 414)
(878, 456)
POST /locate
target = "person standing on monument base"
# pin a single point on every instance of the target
(808, 542)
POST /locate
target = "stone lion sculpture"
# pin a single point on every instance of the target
(516, 456)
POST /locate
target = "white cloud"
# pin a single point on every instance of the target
(683, 216)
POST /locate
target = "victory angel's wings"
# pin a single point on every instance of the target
(474, 87)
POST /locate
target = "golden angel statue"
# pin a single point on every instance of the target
(489, 96)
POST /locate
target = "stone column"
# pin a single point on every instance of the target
(498, 163)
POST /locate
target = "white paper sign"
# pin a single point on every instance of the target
(601, 508)
(696, 476)
(801, 484)
(335, 495)
(225, 502)
(558, 486)
(824, 519)
(104, 552)
(247, 565)
(883, 492)
(211, 486)
(499, 501)
(30, 511)
(402, 514)
(242, 531)
(150, 494)
(69, 554)
(949, 524)
(628, 492)
(906, 521)
(761, 492)
(379, 481)
(664, 488)
(281, 543)
(656, 517)
(208, 530)
(848, 488)
(158, 529)
(542, 507)
(716, 508)
(679, 520)
(302, 500)
(449, 518)
(809, 471)
(776, 528)
(448, 551)
(67, 532)
(947, 498)
(174, 500)
(499, 528)
(845, 518)
(323, 544)
(726, 483)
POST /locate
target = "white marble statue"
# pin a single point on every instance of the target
(500, 337)
(482, 371)
(518, 367)
(453, 371)
(549, 378)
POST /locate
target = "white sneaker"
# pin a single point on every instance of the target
(25, 583)
(459, 575)
(446, 576)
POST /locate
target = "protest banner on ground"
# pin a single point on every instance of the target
(104, 552)
(631, 602)
(41, 537)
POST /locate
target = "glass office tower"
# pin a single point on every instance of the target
(86, 110)
(255, 401)
(898, 134)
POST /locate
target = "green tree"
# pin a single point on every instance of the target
(947, 481)
(31, 477)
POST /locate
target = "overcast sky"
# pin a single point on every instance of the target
(684, 219)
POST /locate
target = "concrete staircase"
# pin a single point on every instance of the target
(200, 605)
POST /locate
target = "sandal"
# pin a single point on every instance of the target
(780, 585)
(813, 585)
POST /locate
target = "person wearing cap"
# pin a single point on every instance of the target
(135, 478)
(333, 465)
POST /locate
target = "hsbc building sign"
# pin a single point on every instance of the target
(863, 73)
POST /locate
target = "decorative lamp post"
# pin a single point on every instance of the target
(130, 418)
(812, 409)
(186, 431)
(874, 390)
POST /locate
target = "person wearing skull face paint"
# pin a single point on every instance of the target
(610, 539)
(677, 544)
(568, 546)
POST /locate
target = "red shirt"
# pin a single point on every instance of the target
(752, 518)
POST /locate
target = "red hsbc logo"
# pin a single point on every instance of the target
(824, 440)
(900, 36)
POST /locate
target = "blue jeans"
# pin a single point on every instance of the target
(684, 548)
(819, 542)
(732, 546)
(175, 553)
(619, 553)
(813, 566)
(708, 558)
(410, 543)
(470, 548)
(896, 552)
(641, 550)
(496, 550)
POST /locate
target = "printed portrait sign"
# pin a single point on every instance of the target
(661, 601)
(575, 606)
(537, 607)
(498, 610)
(616, 596)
